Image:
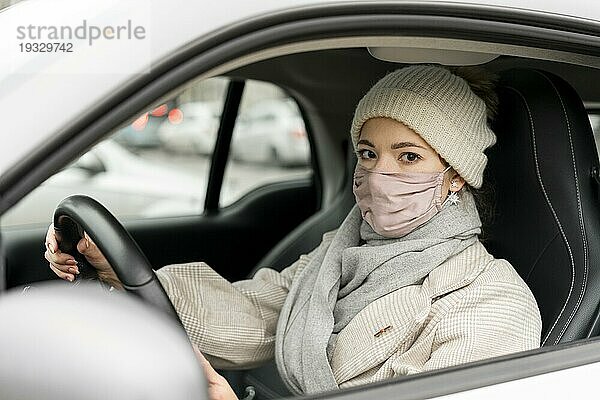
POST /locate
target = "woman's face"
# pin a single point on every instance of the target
(390, 146)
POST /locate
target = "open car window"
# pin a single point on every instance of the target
(269, 142)
(158, 165)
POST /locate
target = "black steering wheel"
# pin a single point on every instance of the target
(77, 213)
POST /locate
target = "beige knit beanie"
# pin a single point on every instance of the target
(440, 107)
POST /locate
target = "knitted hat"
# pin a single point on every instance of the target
(440, 107)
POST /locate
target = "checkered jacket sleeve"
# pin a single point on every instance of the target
(233, 324)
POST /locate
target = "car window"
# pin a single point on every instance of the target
(269, 142)
(155, 166)
(594, 116)
(158, 164)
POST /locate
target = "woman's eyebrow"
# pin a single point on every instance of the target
(365, 141)
(401, 145)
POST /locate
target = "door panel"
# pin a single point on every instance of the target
(231, 242)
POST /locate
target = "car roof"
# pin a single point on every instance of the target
(54, 98)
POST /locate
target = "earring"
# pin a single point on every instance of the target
(453, 198)
(454, 183)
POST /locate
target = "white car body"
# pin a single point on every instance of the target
(174, 30)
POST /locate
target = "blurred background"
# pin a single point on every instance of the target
(157, 165)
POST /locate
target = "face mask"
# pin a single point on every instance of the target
(396, 203)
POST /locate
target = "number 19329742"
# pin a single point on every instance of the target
(48, 47)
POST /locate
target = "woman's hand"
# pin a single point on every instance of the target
(65, 266)
(218, 388)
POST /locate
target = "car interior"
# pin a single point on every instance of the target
(543, 171)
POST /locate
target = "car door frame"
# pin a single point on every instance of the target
(459, 380)
(313, 22)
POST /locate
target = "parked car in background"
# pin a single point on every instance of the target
(127, 184)
(191, 128)
(271, 131)
(143, 132)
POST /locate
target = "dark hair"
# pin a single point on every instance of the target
(483, 83)
(485, 201)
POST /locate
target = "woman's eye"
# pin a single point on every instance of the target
(409, 157)
(366, 154)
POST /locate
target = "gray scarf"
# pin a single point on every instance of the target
(358, 267)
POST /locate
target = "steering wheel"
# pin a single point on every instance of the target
(77, 213)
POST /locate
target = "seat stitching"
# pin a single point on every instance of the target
(579, 212)
(537, 171)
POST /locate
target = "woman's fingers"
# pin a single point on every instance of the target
(212, 376)
(88, 248)
(65, 266)
(218, 387)
(64, 269)
(62, 261)
(53, 256)
(62, 275)
(51, 243)
(203, 361)
(60, 258)
(62, 264)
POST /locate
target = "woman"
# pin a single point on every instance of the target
(402, 286)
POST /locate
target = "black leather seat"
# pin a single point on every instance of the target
(302, 240)
(547, 222)
(308, 235)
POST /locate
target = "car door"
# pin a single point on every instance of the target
(179, 204)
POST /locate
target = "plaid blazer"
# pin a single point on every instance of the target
(471, 307)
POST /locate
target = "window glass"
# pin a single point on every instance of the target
(269, 142)
(595, 122)
(156, 166)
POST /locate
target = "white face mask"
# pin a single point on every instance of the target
(396, 203)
